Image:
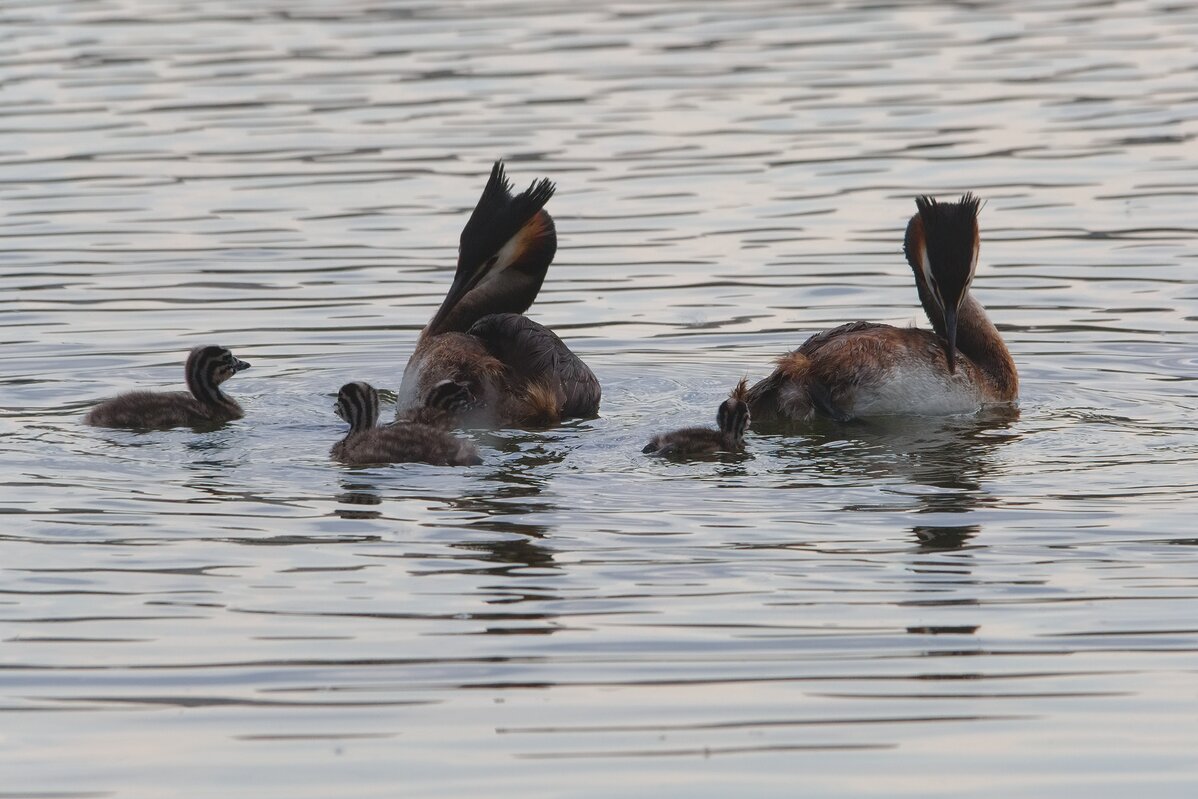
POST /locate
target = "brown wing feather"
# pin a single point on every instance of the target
(533, 353)
(818, 341)
(822, 376)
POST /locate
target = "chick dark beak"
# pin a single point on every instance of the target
(239, 365)
(950, 335)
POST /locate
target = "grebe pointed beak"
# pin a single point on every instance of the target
(239, 365)
(950, 334)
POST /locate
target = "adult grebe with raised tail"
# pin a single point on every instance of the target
(732, 419)
(865, 369)
(518, 372)
(207, 367)
(402, 442)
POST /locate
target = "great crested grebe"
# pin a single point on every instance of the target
(517, 371)
(733, 420)
(207, 367)
(864, 369)
(402, 442)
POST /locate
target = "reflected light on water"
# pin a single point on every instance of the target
(992, 606)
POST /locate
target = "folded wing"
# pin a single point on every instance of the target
(534, 354)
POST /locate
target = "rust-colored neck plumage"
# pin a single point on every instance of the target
(979, 340)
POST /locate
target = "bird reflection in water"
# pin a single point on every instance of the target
(956, 465)
(943, 463)
(361, 496)
(497, 502)
(945, 538)
(496, 539)
(514, 493)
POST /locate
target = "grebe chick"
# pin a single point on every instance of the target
(518, 371)
(404, 442)
(444, 407)
(733, 420)
(864, 369)
(207, 367)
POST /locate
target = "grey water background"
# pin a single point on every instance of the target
(984, 606)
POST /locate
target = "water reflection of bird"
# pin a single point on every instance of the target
(865, 369)
(362, 499)
(934, 469)
(501, 518)
(358, 404)
(207, 367)
(520, 372)
(732, 418)
(944, 538)
(952, 454)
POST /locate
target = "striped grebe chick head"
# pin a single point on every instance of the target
(733, 415)
(208, 367)
(942, 245)
(358, 404)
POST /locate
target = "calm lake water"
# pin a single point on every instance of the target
(989, 606)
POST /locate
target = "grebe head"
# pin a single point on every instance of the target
(733, 415)
(507, 240)
(451, 397)
(942, 247)
(358, 404)
(208, 367)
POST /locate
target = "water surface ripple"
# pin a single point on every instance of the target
(993, 606)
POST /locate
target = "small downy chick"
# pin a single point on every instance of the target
(203, 404)
(403, 442)
(689, 442)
